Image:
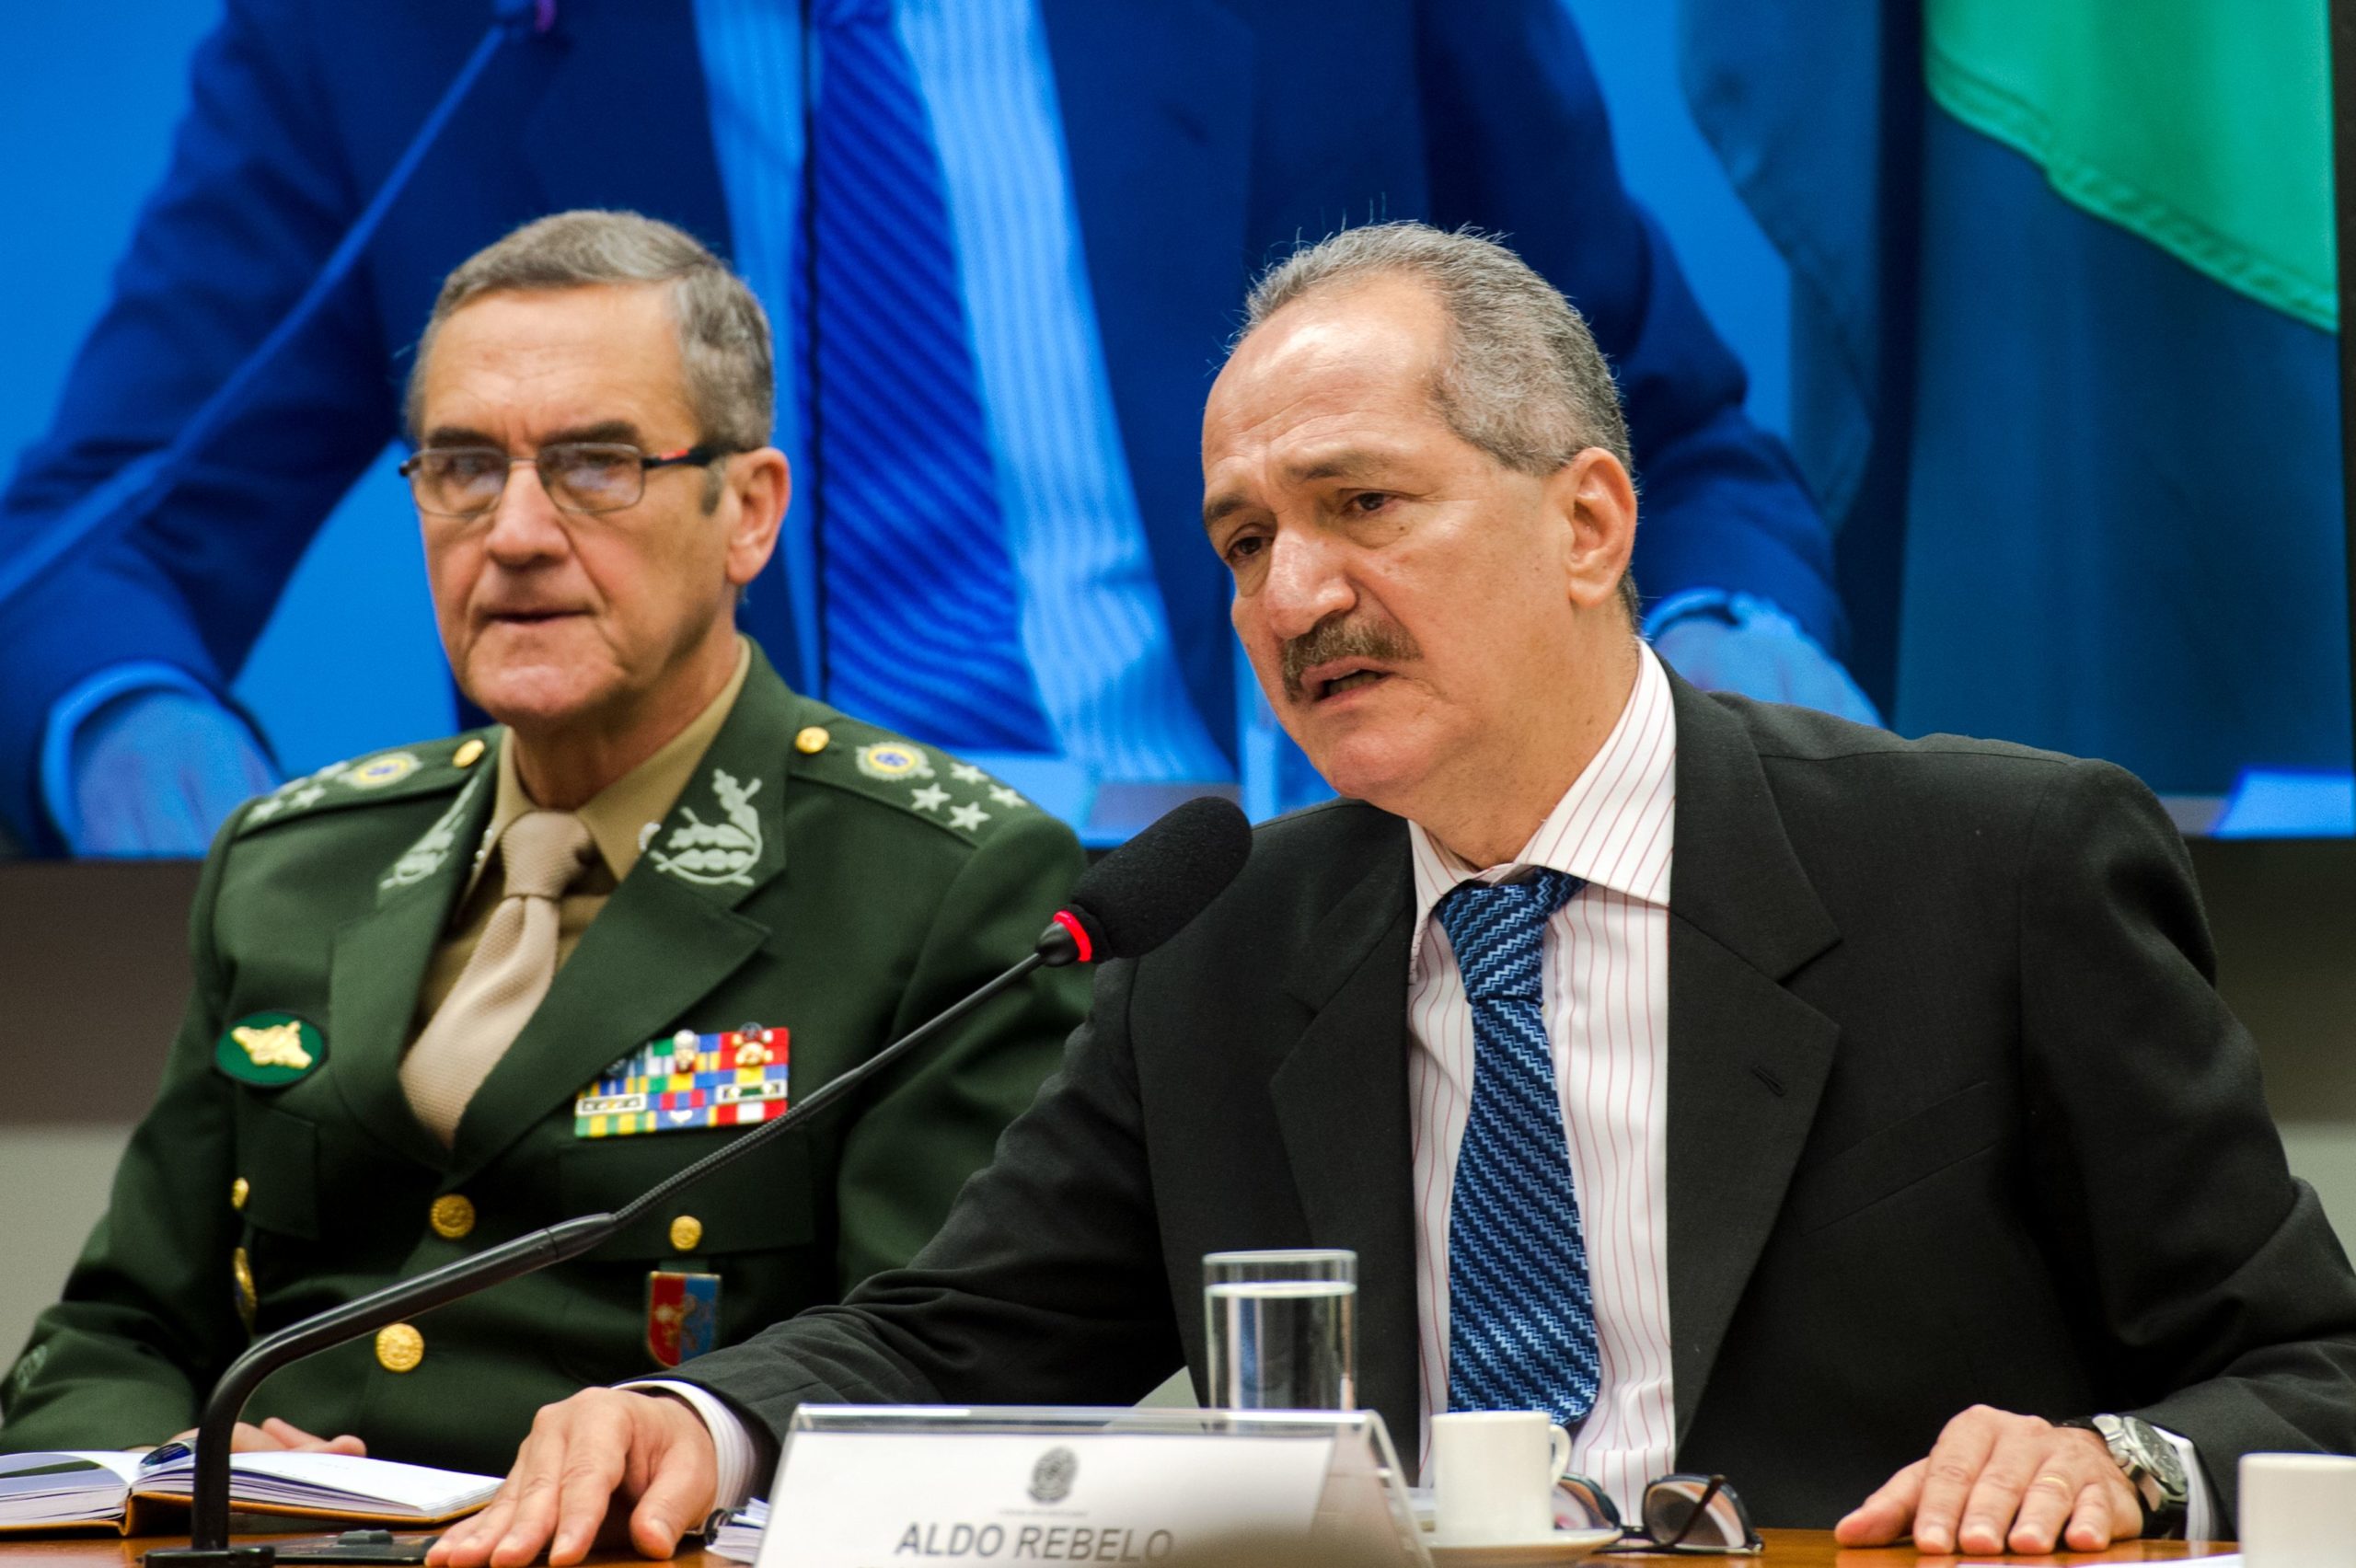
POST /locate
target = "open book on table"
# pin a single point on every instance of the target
(147, 1493)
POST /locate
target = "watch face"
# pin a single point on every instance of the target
(2150, 1453)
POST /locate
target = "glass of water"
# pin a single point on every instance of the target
(1282, 1329)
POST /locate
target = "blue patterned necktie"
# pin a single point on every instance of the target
(922, 622)
(1520, 1317)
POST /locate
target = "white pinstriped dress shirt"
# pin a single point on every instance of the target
(1606, 973)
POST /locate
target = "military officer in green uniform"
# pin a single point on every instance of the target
(451, 992)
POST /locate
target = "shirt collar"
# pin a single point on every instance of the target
(1613, 827)
(623, 815)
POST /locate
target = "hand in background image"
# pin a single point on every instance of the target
(1740, 643)
(154, 773)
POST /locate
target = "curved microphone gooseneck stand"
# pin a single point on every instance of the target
(209, 1523)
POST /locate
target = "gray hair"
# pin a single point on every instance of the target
(724, 335)
(1523, 380)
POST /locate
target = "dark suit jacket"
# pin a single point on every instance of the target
(1204, 138)
(1956, 1116)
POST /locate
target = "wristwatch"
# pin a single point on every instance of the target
(2152, 1466)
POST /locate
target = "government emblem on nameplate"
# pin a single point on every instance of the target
(688, 1081)
(682, 1315)
(269, 1050)
(1052, 1477)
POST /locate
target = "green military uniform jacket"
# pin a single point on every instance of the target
(817, 876)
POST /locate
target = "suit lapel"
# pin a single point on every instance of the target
(1341, 1102)
(379, 961)
(669, 936)
(624, 120)
(1747, 1059)
(1158, 118)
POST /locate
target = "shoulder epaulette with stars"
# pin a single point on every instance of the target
(401, 773)
(922, 780)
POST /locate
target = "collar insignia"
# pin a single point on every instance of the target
(424, 857)
(714, 854)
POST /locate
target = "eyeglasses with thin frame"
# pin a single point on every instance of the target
(1696, 1514)
(579, 475)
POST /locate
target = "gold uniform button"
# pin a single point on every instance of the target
(243, 1271)
(686, 1233)
(400, 1348)
(453, 1215)
(240, 1189)
(811, 741)
(467, 754)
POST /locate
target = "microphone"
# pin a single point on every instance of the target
(1129, 902)
(1139, 896)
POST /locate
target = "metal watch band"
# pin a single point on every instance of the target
(2151, 1466)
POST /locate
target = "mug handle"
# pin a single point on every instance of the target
(1558, 1446)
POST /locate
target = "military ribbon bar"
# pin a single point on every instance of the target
(688, 1081)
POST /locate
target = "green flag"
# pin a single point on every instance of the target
(2202, 125)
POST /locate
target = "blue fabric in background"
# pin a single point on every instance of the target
(356, 604)
(303, 104)
(2085, 497)
(906, 480)
(2125, 535)
(98, 99)
(1737, 276)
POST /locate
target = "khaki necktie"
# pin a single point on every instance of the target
(503, 982)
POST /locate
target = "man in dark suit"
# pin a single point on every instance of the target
(1184, 145)
(1906, 1131)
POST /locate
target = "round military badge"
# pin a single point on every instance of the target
(269, 1050)
(894, 759)
(379, 771)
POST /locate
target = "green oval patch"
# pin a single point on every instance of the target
(270, 1049)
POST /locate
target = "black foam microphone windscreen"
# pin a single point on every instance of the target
(1142, 894)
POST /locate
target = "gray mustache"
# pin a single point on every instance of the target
(1343, 640)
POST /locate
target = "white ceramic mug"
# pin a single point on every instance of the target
(2298, 1510)
(1494, 1473)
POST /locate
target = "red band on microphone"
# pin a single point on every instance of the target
(1070, 922)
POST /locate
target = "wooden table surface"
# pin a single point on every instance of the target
(1786, 1549)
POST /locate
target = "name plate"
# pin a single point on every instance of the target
(983, 1489)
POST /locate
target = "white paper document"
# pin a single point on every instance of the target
(80, 1487)
(739, 1536)
(84, 1489)
(340, 1484)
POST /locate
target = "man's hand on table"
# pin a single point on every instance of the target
(275, 1435)
(1996, 1481)
(646, 1452)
